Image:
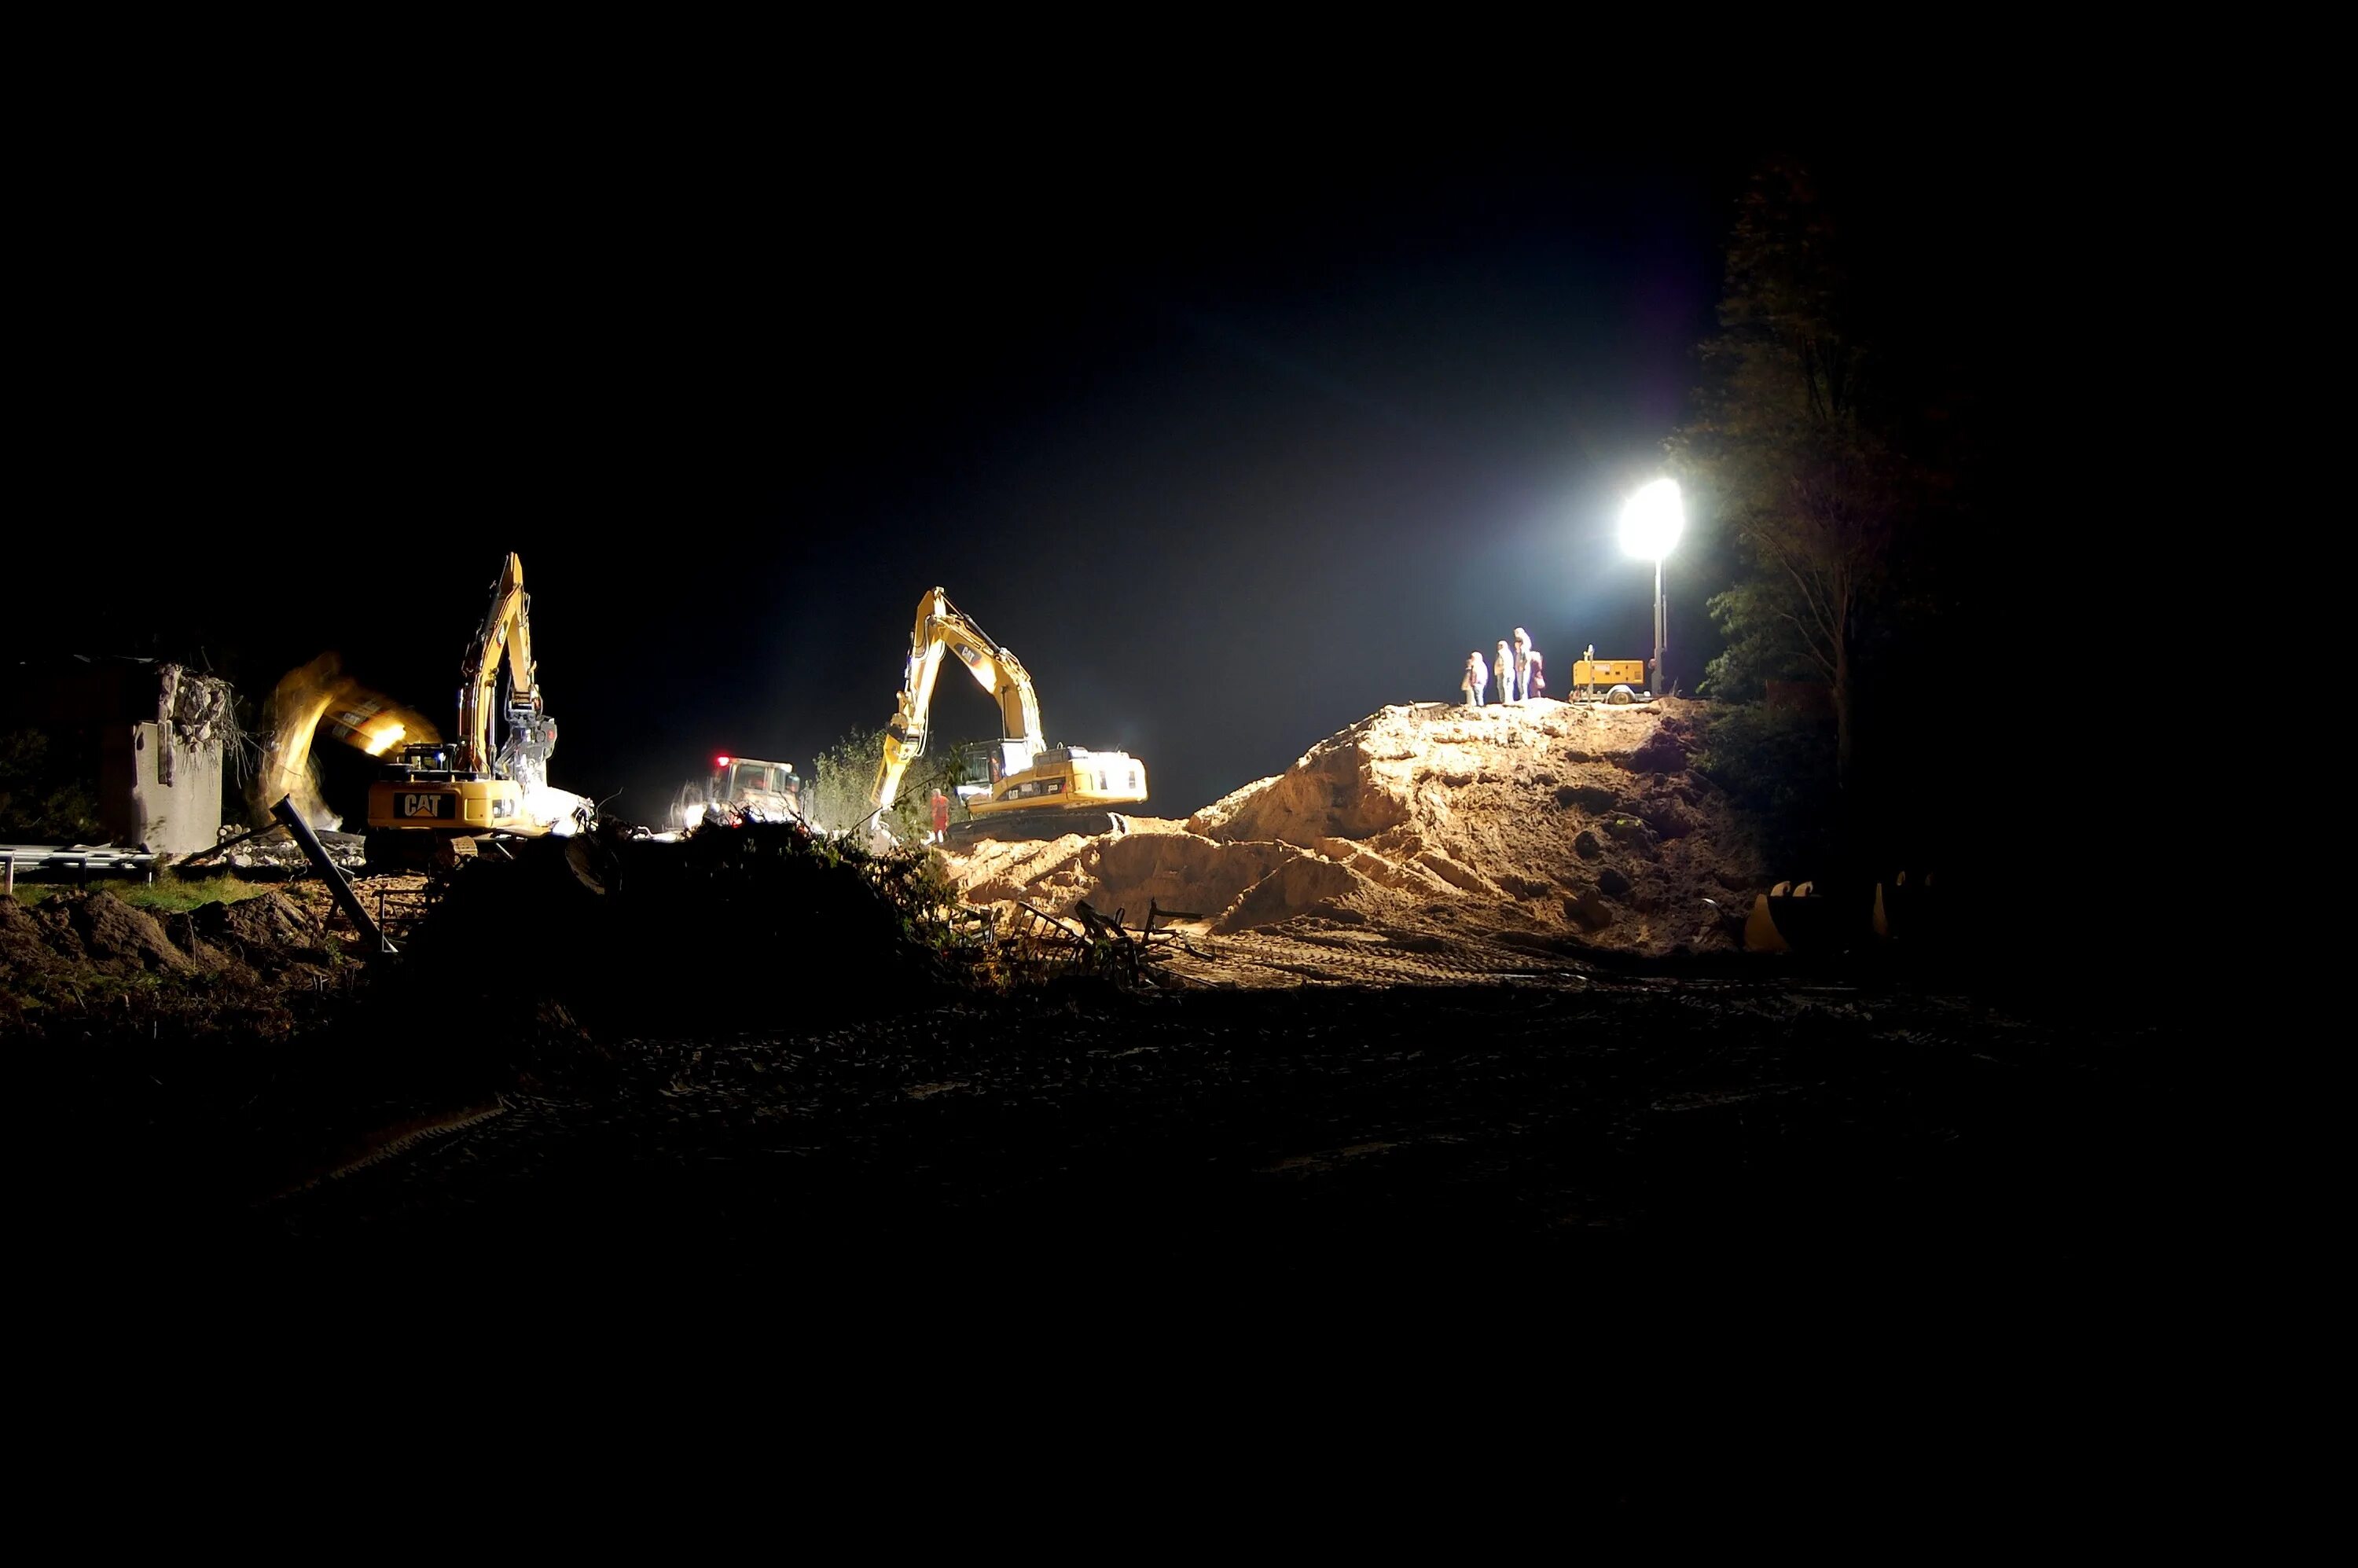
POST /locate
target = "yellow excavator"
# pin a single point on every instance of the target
(1037, 791)
(444, 795)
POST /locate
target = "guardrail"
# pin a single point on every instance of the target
(81, 858)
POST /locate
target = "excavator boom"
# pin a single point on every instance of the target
(506, 630)
(942, 628)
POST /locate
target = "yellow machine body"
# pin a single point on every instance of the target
(1609, 672)
(450, 805)
(1066, 777)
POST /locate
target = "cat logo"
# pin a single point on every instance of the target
(424, 805)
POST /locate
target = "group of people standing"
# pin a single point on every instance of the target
(1520, 670)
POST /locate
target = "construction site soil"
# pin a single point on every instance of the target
(1430, 842)
(1457, 989)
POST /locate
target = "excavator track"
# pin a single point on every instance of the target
(1017, 827)
(391, 1142)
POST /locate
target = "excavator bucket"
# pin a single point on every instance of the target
(1792, 918)
(1910, 909)
(1760, 932)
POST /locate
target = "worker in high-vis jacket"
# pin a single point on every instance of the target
(1530, 678)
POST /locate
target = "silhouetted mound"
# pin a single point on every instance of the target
(99, 931)
(758, 929)
(232, 945)
(86, 969)
(270, 933)
(120, 937)
(26, 945)
(1441, 825)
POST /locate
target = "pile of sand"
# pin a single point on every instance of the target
(1547, 818)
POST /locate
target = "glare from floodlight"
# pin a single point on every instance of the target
(1651, 520)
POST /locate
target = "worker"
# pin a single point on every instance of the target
(1477, 678)
(941, 817)
(1505, 669)
(1531, 677)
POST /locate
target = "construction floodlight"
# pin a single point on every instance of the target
(1652, 519)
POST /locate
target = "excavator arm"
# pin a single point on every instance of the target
(320, 698)
(941, 630)
(505, 636)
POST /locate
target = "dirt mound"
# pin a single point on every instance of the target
(268, 933)
(1173, 874)
(747, 927)
(1548, 820)
(277, 936)
(25, 944)
(110, 935)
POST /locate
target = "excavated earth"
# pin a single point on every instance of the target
(1449, 1032)
(210, 1086)
(1428, 841)
(276, 940)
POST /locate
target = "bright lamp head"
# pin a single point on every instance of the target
(1651, 520)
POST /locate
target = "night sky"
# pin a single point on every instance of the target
(1230, 444)
(1234, 432)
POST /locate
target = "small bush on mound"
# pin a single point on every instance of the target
(1777, 769)
(748, 929)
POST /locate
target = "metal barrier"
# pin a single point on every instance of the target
(81, 859)
(400, 910)
(1035, 944)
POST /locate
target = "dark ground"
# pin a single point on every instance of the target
(1757, 1242)
(560, 1069)
(1271, 1135)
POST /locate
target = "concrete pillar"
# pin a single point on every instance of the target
(158, 790)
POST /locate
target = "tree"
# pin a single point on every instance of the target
(844, 783)
(841, 779)
(1789, 447)
(42, 799)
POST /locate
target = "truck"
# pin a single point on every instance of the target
(742, 789)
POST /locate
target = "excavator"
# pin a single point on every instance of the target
(1037, 791)
(444, 794)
